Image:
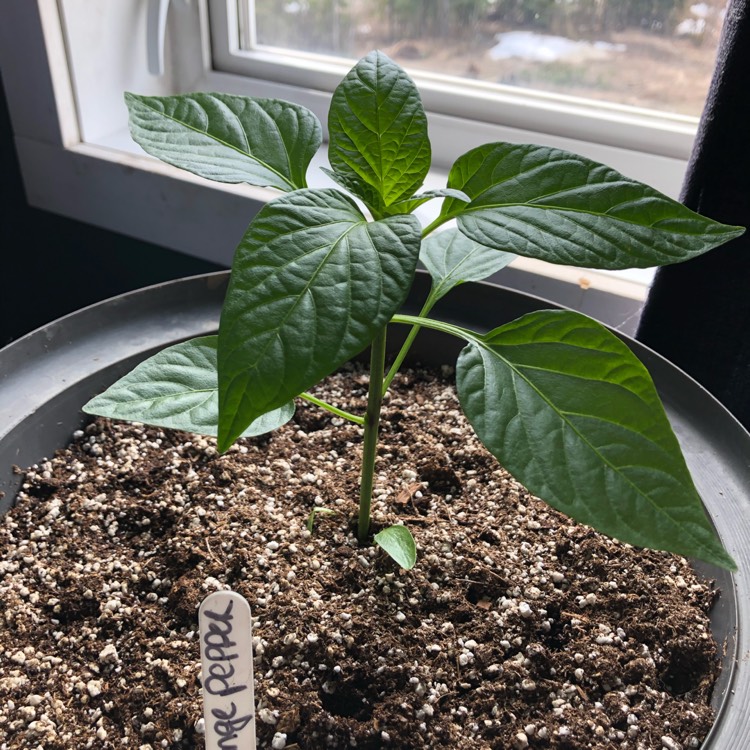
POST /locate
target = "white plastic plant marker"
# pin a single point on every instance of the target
(227, 669)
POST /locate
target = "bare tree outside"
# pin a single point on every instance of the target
(656, 54)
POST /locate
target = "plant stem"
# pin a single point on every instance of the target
(434, 225)
(333, 409)
(372, 423)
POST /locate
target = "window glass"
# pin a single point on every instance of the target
(654, 54)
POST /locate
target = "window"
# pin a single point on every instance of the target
(67, 62)
(630, 74)
(650, 54)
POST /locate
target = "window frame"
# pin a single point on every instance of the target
(126, 191)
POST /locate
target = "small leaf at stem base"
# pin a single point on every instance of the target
(398, 542)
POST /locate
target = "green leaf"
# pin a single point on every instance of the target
(563, 208)
(178, 389)
(408, 205)
(451, 258)
(351, 185)
(226, 138)
(378, 132)
(567, 408)
(398, 542)
(312, 282)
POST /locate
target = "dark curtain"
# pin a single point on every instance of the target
(698, 313)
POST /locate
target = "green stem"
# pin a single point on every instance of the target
(438, 325)
(435, 224)
(372, 423)
(401, 356)
(333, 409)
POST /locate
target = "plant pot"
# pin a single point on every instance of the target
(46, 376)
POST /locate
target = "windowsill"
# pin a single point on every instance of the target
(630, 283)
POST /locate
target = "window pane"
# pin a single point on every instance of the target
(657, 54)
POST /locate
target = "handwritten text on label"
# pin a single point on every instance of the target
(227, 671)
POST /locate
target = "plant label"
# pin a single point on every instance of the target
(227, 671)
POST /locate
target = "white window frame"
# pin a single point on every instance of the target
(92, 173)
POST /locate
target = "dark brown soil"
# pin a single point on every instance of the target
(516, 629)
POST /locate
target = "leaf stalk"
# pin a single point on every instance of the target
(333, 409)
(406, 346)
(434, 225)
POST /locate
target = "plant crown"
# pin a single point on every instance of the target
(559, 400)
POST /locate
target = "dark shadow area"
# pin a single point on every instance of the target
(698, 312)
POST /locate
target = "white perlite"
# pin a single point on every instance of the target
(108, 655)
(279, 741)
(94, 688)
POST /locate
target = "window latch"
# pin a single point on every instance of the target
(156, 32)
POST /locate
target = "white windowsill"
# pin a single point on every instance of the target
(119, 146)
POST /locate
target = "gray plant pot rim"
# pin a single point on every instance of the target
(48, 374)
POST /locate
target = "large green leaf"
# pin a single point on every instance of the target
(177, 388)
(312, 282)
(226, 138)
(451, 258)
(563, 208)
(567, 408)
(378, 132)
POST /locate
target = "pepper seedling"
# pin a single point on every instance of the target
(321, 274)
